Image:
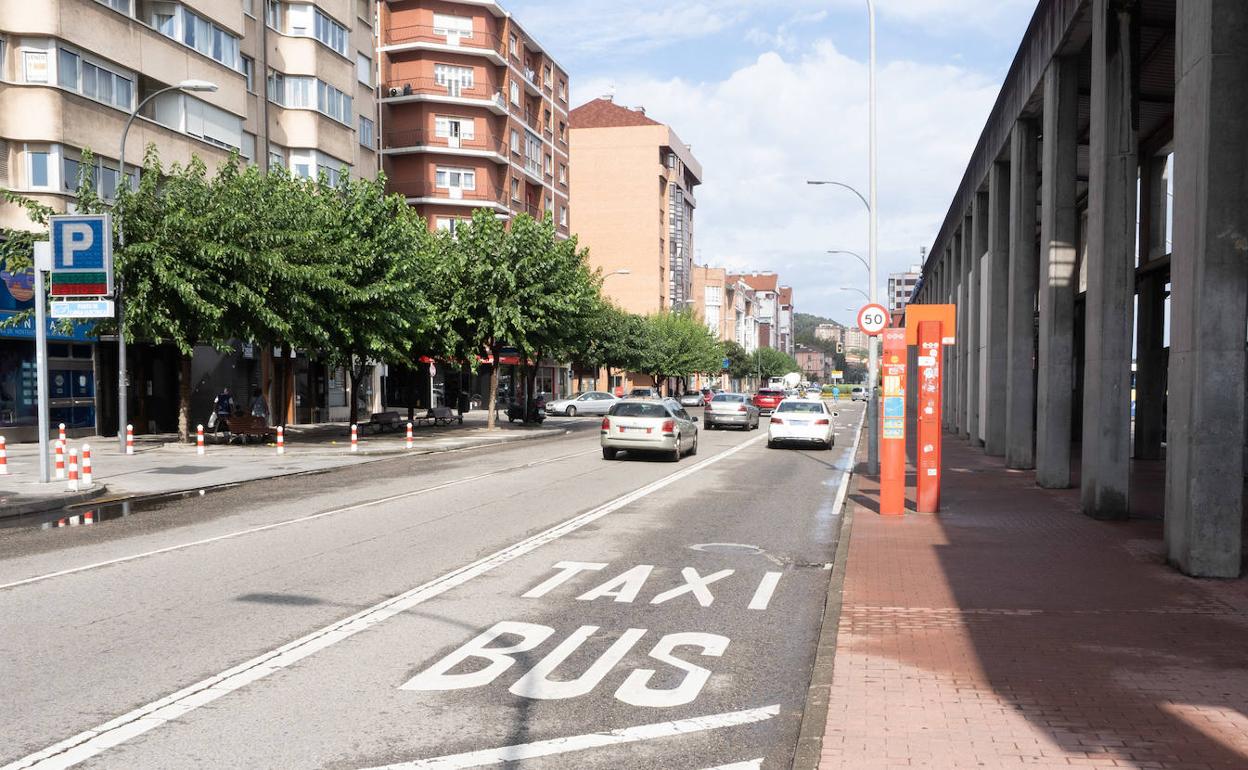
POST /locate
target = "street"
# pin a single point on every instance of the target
(528, 603)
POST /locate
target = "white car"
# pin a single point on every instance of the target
(592, 402)
(801, 420)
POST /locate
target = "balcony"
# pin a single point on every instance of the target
(420, 140)
(454, 92)
(423, 36)
(422, 190)
(530, 81)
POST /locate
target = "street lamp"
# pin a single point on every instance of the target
(853, 254)
(873, 436)
(122, 385)
(621, 271)
(855, 288)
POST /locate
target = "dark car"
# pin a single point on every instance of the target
(768, 399)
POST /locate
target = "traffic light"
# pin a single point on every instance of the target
(840, 348)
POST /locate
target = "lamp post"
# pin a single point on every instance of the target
(855, 288)
(122, 383)
(853, 254)
(873, 406)
(621, 271)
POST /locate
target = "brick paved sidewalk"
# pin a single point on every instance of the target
(1011, 630)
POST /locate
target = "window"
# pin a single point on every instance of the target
(454, 128)
(367, 132)
(93, 81)
(364, 69)
(563, 173)
(533, 153)
(515, 92)
(455, 178)
(511, 44)
(563, 90)
(249, 72)
(276, 158)
(546, 79)
(35, 66)
(70, 169)
(449, 224)
(458, 26)
(515, 141)
(117, 5)
(201, 120)
(563, 132)
(273, 14)
(454, 79)
(364, 11)
(563, 216)
(515, 189)
(249, 8)
(38, 168)
(67, 69)
(303, 92)
(248, 148)
(330, 32)
(180, 23)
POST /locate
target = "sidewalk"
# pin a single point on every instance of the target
(160, 465)
(1011, 630)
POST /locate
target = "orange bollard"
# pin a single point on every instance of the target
(73, 470)
(281, 440)
(355, 438)
(409, 436)
(199, 439)
(60, 459)
(86, 465)
(129, 439)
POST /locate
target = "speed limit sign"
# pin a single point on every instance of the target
(873, 319)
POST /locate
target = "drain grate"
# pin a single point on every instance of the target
(726, 548)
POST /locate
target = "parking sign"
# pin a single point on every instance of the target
(82, 255)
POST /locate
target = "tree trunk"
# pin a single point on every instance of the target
(608, 388)
(491, 418)
(530, 384)
(353, 407)
(184, 398)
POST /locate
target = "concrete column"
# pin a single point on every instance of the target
(1059, 238)
(1113, 174)
(1150, 322)
(979, 245)
(997, 307)
(1209, 284)
(1020, 392)
(947, 296)
(970, 405)
(959, 381)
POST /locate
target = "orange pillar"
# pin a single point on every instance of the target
(930, 377)
(893, 425)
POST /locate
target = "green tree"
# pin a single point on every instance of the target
(677, 344)
(769, 362)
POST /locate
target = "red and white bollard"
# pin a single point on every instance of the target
(86, 465)
(409, 435)
(73, 470)
(60, 459)
(199, 439)
(88, 517)
(129, 439)
(4, 458)
(355, 438)
(281, 440)
(61, 432)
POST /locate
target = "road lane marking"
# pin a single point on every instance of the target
(288, 522)
(766, 587)
(753, 764)
(523, 751)
(114, 732)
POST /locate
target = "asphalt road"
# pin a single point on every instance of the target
(529, 606)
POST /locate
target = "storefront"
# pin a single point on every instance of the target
(71, 369)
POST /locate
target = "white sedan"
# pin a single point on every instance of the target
(593, 402)
(801, 420)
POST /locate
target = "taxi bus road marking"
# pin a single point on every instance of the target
(89, 743)
(572, 743)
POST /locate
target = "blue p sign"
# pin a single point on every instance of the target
(81, 242)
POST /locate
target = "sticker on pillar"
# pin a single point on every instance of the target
(894, 428)
(894, 407)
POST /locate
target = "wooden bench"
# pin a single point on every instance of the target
(383, 421)
(246, 427)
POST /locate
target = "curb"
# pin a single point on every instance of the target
(41, 506)
(68, 501)
(809, 749)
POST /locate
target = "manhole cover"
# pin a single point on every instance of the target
(185, 470)
(726, 548)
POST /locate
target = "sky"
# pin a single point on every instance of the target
(770, 94)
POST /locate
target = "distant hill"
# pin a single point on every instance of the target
(804, 325)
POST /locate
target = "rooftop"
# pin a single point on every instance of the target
(604, 113)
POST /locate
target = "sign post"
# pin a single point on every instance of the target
(43, 262)
(930, 381)
(893, 426)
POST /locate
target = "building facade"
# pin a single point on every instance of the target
(766, 291)
(830, 332)
(294, 85)
(784, 320)
(474, 113)
(900, 287)
(634, 189)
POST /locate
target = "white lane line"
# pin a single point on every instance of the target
(572, 743)
(847, 472)
(766, 587)
(753, 764)
(91, 742)
(288, 522)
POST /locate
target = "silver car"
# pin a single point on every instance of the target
(731, 410)
(591, 402)
(649, 426)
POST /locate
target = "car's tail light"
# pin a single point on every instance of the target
(606, 423)
(821, 422)
(777, 421)
(669, 426)
(741, 408)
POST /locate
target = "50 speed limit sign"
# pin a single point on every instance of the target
(873, 319)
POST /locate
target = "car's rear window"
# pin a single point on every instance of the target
(638, 409)
(693, 393)
(728, 397)
(807, 407)
(771, 392)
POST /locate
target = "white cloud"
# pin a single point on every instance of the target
(949, 15)
(778, 121)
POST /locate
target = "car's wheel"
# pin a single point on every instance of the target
(694, 450)
(675, 455)
(771, 444)
(609, 453)
(570, 411)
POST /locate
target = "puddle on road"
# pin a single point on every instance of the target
(91, 514)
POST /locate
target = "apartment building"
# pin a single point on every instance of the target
(767, 306)
(292, 83)
(900, 286)
(740, 296)
(474, 113)
(830, 332)
(634, 188)
(784, 320)
(709, 297)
